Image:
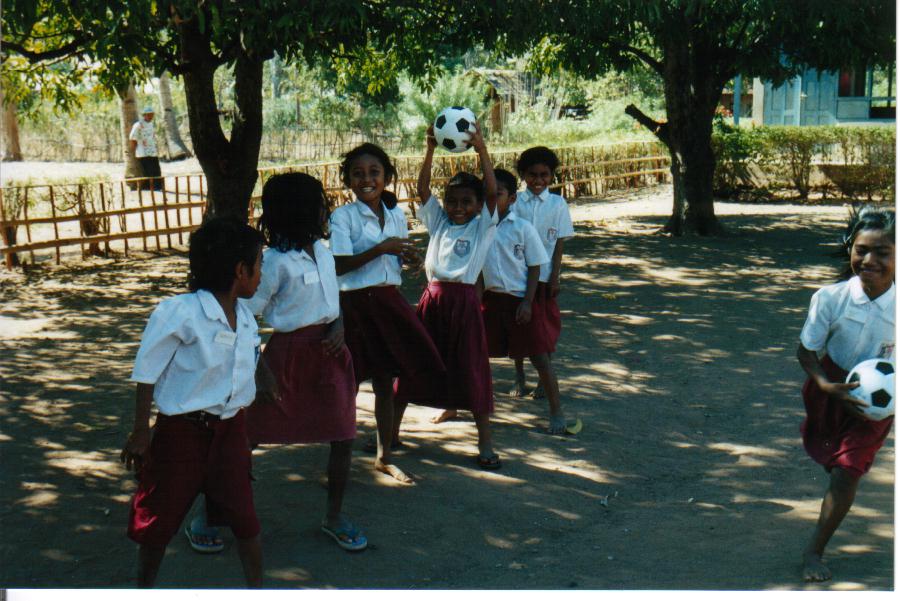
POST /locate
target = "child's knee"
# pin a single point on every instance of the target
(540, 362)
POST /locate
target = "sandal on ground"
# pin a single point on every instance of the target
(347, 536)
(489, 463)
(371, 445)
(203, 538)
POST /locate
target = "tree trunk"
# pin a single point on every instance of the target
(12, 151)
(128, 117)
(229, 165)
(176, 147)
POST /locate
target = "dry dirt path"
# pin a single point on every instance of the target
(678, 355)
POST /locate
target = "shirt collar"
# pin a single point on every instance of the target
(211, 307)
(544, 195)
(365, 211)
(510, 216)
(859, 296)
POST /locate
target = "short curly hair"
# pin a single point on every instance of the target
(537, 155)
(294, 211)
(507, 180)
(216, 248)
(466, 181)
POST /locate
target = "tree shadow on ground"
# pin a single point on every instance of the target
(678, 355)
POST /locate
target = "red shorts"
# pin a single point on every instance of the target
(384, 335)
(318, 392)
(187, 458)
(552, 318)
(832, 436)
(506, 337)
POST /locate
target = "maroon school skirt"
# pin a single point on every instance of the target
(384, 335)
(451, 313)
(188, 457)
(318, 392)
(832, 436)
(506, 337)
(552, 318)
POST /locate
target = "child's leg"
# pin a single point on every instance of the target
(539, 390)
(550, 384)
(519, 389)
(835, 505)
(250, 553)
(149, 559)
(445, 415)
(385, 423)
(487, 458)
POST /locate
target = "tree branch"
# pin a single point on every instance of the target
(659, 129)
(73, 47)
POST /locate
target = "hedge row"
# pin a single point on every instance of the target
(853, 162)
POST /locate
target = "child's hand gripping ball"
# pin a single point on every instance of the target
(453, 127)
(876, 387)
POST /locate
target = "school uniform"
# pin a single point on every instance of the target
(516, 247)
(845, 327)
(451, 313)
(203, 377)
(298, 296)
(549, 214)
(380, 328)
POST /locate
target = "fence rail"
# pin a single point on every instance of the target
(103, 217)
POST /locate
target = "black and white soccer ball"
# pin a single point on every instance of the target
(876, 387)
(453, 127)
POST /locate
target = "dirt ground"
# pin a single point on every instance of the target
(677, 354)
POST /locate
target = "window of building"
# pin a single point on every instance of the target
(883, 103)
(852, 82)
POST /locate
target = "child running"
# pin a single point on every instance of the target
(461, 232)
(369, 240)
(549, 214)
(298, 297)
(196, 362)
(848, 322)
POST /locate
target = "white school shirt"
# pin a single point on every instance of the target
(516, 247)
(849, 327)
(549, 214)
(295, 291)
(195, 360)
(456, 253)
(354, 230)
(144, 134)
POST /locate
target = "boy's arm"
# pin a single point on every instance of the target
(424, 183)
(139, 440)
(487, 168)
(809, 361)
(555, 267)
(523, 311)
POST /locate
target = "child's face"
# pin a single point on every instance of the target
(537, 178)
(505, 198)
(367, 179)
(872, 259)
(461, 205)
(247, 282)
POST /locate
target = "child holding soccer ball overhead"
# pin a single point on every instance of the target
(848, 322)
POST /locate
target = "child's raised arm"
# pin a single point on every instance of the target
(487, 168)
(424, 184)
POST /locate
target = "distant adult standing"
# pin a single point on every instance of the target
(143, 144)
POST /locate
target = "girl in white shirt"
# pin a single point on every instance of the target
(298, 297)
(848, 322)
(370, 243)
(460, 235)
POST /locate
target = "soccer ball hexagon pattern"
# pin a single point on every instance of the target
(876, 387)
(453, 127)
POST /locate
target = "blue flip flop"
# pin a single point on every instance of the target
(347, 536)
(198, 530)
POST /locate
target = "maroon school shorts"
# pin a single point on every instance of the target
(832, 436)
(188, 457)
(318, 392)
(506, 337)
(552, 317)
(451, 314)
(384, 335)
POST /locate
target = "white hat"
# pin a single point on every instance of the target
(147, 109)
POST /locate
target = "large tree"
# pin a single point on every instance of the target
(370, 40)
(697, 47)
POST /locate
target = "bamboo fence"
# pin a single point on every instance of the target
(121, 216)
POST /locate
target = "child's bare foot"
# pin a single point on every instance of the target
(446, 414)
(557, 424)
(814, 569)
(539, 392)
(393, 471)
(519, 390)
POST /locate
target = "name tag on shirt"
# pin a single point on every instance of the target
(226, 338)
(310, 277)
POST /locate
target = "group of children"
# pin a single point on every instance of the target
(492, 265)
(338, 319)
